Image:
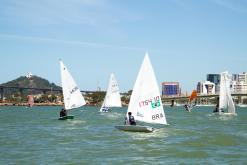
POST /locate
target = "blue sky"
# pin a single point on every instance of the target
(185, 39)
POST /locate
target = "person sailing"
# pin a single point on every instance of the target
(130, 120)
(106, 109)
(63, 112)
(172, 104)
(217, 106)
(187, 107)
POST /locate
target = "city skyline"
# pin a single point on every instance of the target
(185, 40)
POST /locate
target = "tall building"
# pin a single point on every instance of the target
(240, 85)
(238, 82)
(214, 78)
(170, 89)
(205, 87)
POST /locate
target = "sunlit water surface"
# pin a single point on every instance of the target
(36, 136)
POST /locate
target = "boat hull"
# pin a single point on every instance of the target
(135, 128)
(242, 105)
(230, 114)
(225, 114)
(66, 117)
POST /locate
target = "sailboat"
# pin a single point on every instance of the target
(30, 101)
(145, 102)
(190, 106)
(71, 93)
(112, 98)
(225, 98)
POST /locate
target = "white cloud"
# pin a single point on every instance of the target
(80, 43)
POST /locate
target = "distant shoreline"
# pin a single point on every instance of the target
(42, 104)
(25, 104)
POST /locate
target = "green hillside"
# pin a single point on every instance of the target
(23, 81)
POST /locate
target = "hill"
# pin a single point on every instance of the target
(28, 82)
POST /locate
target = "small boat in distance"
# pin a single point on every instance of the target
(145, 102)
(189, 106)
(225, 98)
(71, 93)
(30, 100)
(112, 98)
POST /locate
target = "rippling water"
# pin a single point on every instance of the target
(35, 136)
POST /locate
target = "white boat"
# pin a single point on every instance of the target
(242, 105)
(205, 105)
(145, 102)
(225, 99)
(71, 93)
(112, 98)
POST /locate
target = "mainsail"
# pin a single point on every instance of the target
(192, 96)
(145, 102)
(112, 98)
(226, 101)
(71, 93)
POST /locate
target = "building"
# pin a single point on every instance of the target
(205, 87)
(235, 77)
(240, 85)
(243, 78)
(29, 75)
(170, 89)
(238, 82)
(214, 78)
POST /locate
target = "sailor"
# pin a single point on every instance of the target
(187, 108)
(217, 105)
(63, 112)
(130, 120)
(172, 105)
(106, 109)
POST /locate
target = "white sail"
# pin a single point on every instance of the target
(71, 93)
(145, 102)
(223, 95)
(231, 106)
(112, 98)
(226, 101)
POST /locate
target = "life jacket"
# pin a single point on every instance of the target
(132, 120)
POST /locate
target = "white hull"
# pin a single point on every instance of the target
(229, 114)
(135, 128)
(225, 114)
(242, 105)
(205, 105)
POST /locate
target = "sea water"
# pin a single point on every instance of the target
(36, 136)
